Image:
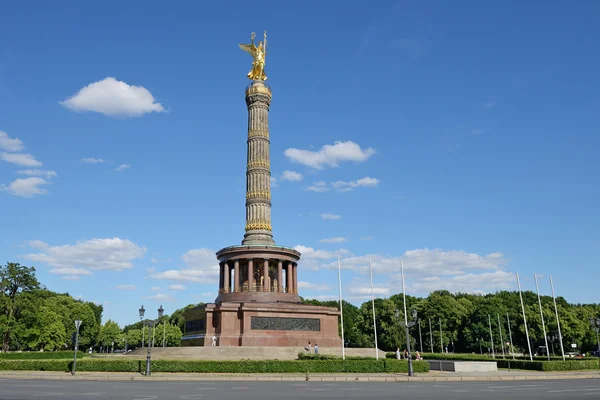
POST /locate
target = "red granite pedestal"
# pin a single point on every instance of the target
(260, 306)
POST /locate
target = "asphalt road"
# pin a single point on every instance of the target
(19, 389)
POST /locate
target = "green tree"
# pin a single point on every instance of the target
(14, 279)
(110, 334)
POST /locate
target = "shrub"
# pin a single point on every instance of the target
(246, 366)
(44, 355)
(550, 365)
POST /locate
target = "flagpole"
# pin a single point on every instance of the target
(562, 349)
(537, 288)
(491, 336)
(341, 308)
(430, 336)
(524, 318)
(410, 366)
(501, 339)
(512, 350)
(373, 304)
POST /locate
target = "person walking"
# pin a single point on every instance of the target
(214, 341)
(397, 353)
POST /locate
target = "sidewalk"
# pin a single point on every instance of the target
(433, 376)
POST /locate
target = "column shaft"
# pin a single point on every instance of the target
(266, 275)
(236, 276)
(250, 275)
(289, 274)
(295, 267)
(227, 274)
(280, 276)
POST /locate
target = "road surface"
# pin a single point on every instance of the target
(20, 389)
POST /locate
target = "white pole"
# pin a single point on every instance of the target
(373, 304)
(501, 339)
(404, 297)
(524, 318)
(341, 309)
(537, 288)
(562, 350)
(512, 350)
(491, 336)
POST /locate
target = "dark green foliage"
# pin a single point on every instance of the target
(550, 365)
(266, 366)
(45, 355)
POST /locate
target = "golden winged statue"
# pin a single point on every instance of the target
(258, 54)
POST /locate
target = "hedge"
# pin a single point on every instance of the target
(43, 355)
(550, 365)
(483, 357)
(246, 366)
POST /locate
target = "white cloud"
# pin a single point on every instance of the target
(334, 240)
(366, 238)
(291, 176)
(366, 290)
(363, 182)
(113, 98)
(313, 258)
(126, 287)
(201, 267)
(176, 287)
(467, 283)
(9, 144)
(37, 172)
(330, 155)
(70, 277)
(318, 187)
(488, 105)
(156, 260)
(319, 287)
(273, 181)
(160, 297)
(26, 187)
(155, 288)
(426, 270)
(70, 271)
(122, 167)
(92, 160)
(330, 216)
(102, 254)
(25, 160)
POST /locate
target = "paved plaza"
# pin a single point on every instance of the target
(13, 389)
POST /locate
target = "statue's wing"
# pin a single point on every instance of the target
(249, 48)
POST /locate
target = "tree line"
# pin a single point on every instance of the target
(35, 318)
(460, 322)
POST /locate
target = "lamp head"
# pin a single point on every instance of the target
(142, 312)
(161, 310)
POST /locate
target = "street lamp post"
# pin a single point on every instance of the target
(408, 325)
(142, 311)
(552, 339)
(596, 326)
(151, 325)
(77, 325)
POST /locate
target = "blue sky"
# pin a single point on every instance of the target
(459, 137)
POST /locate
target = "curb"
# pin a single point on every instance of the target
(295, 378)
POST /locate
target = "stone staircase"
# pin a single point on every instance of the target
(242, 353)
